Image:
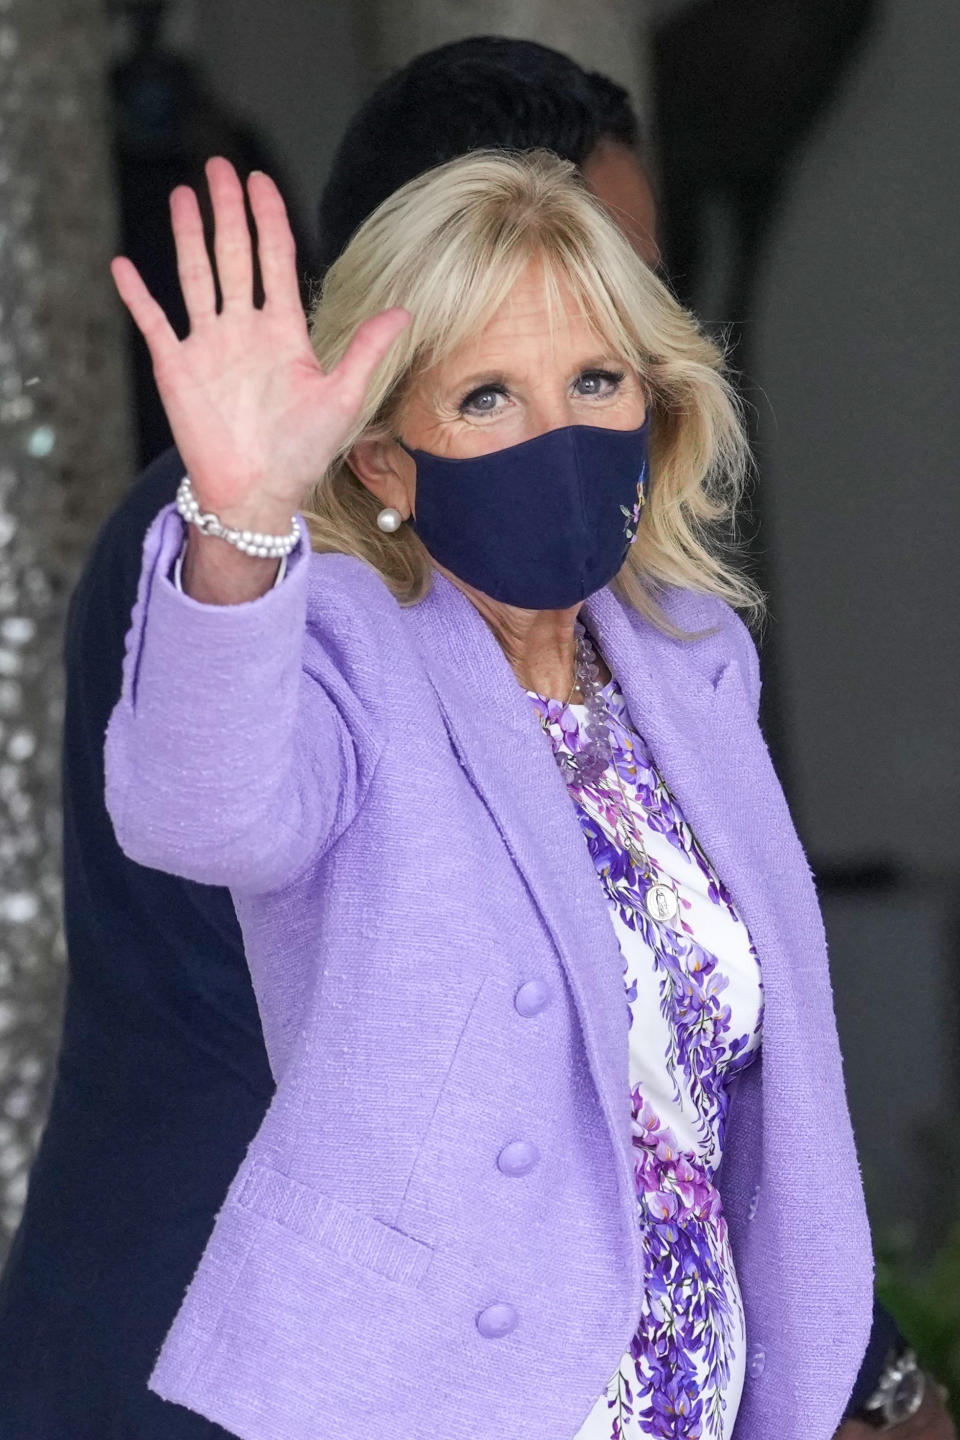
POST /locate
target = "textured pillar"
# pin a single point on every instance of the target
(64, 457)
(608, 35)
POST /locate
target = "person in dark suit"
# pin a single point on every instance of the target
(162, 1075)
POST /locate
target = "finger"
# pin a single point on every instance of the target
(231, 242)
(148, 316)
(193, 262)
(275, 244)
(370, 343)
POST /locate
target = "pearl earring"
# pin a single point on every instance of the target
(389, 519)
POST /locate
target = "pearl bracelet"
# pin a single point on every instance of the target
(177, 576)
(251, 542)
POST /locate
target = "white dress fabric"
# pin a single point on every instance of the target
(695, 1002)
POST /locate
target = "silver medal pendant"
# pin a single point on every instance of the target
(661, 903)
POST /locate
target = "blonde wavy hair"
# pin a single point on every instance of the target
(448, 246)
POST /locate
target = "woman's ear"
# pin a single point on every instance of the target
(386, 470)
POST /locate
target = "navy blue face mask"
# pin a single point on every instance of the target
(540, 525)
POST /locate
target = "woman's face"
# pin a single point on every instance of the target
(513, 381)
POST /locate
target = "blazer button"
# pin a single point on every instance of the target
(754, 1203)
(497, 1320)
(532, 997)
(518, 1157)
(755, 1362)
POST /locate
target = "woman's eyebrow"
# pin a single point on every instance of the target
(501, 377)
(601, 362)
(481, 377)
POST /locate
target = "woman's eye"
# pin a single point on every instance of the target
(482, 401)
(599, 383)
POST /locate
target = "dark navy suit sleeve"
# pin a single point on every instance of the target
(162, 1077)
(883, 1336)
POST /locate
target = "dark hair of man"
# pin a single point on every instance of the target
(488, 91)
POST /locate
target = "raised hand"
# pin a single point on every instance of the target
(255, 418)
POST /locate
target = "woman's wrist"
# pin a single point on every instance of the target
(209, 572)
(930, 1422)
(216, 573)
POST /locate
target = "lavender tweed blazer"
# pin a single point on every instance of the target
(373, 786)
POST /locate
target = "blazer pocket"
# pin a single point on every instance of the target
(334, 1226)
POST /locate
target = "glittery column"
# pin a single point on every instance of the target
(64, 458)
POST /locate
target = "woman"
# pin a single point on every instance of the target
(519, 891)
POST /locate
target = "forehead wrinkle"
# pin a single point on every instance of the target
(540, 286)
(523, 310)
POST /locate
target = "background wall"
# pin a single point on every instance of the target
(855, 348)
(300, 80)
(297, 70)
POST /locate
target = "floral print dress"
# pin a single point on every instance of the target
(694, 997)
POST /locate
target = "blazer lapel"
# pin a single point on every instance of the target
(692, 708)
(708, 747)
(503, 750)
(507, 757)
(696, 717)
(711, 753)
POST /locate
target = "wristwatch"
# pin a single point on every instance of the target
(899, 1393)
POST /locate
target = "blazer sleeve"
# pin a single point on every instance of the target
(229, 760)
(747, 657)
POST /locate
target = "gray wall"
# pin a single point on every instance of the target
(295, 68)
(298, 68)
(856, 349)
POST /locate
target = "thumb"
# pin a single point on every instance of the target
(369, 344)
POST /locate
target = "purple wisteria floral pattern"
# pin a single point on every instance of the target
(633, 514)
(694, 999)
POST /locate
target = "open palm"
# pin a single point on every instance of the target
(255, 418)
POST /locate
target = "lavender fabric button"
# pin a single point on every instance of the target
(532, 997)
(518, 1157)
(497, 1320)
(755, 1362)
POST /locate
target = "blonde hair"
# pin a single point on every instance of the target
(448, 246)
